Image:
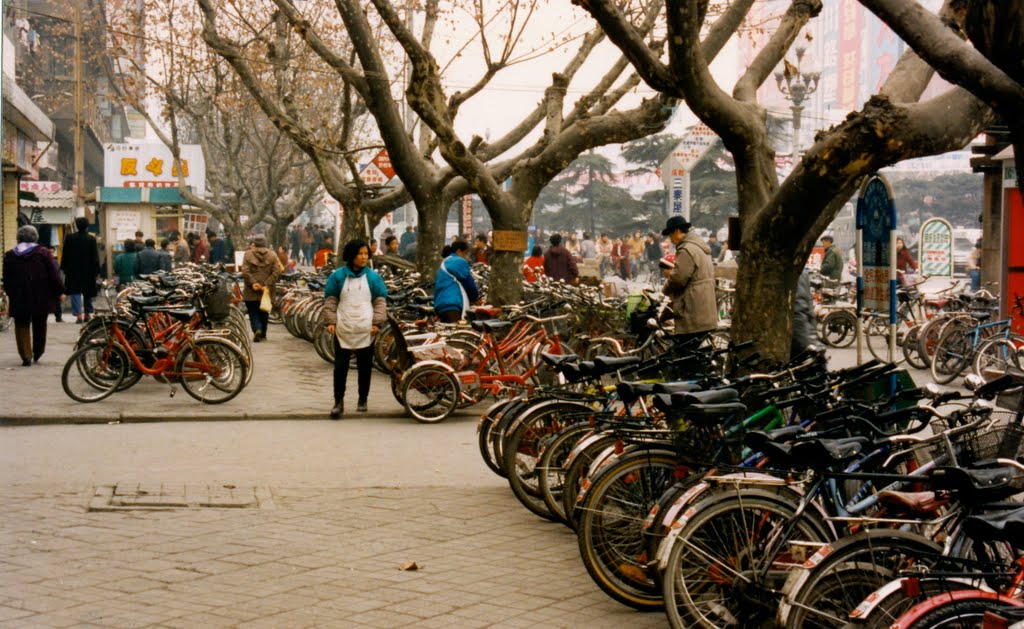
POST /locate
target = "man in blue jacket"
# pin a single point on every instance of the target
(454, 288)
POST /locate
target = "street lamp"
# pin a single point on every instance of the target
(796, 85)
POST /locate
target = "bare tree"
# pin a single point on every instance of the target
(891, 127)
(254, 172)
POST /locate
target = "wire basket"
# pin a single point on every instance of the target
(1001, 441)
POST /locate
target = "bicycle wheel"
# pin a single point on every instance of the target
(912, 349)
(551, 470)
(581, 458)
(727, 557)
(213, 370)
(93, 372)
(5, 312)
(876, 337)
(610, 529)
(531, 435)
(953, 353)
(960, 613)
(839, 328)
(430, 393)
(995, 358)
(488, 422)
(823, 596)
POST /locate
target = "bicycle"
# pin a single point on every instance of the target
(208, 366)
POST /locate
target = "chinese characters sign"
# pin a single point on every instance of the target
(936, 247)
(151, 165)
(876, 218)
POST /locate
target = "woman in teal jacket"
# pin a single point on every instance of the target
(454, 288)
(124, 264)
(353, 313)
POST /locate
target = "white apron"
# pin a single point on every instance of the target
(355, 314)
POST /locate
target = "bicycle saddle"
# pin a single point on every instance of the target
(980, 315)
(145, 300)
(576, 371)
(717, 396)
(491, 325)
(181, 314)
(918, 502)
(976, 485)
(614, 363)
(675, 387)
(558, 359)
(758, 439)
(1007, 526)
(827, 452)
(630, 392)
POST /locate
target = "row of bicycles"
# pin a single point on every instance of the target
(949, 333)
(701, 483)
(183, 327)
(436, 369)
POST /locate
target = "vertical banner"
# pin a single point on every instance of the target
(467, 215)
(876, 229)
(935, 248)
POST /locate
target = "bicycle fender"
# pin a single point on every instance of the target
(869, 604)
(426, 363)
(693, 499)
(919, 610)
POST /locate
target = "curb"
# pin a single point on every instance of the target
(124, 418)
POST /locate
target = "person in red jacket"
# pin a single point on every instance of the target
(533, 266)
(559, 263)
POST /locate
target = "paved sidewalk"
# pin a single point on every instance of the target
(290, 380)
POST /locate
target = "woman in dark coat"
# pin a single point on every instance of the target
(80, 261)
(33, 285)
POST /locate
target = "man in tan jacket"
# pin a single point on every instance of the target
(691, 283)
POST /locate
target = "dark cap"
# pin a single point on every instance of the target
(674, 223)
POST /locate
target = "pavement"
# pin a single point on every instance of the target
(115, 519)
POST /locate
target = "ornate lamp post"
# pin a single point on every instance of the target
(796, 85)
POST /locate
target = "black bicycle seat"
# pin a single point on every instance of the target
(491, 325)
(558, 359)
(614, 363)
(1007, 526)
(976, 485)
(630, 392)
(675, 387)
(827, 452)
(717, 396)
(181, 314)
(145, 300)
(981, 315)
(757, 439)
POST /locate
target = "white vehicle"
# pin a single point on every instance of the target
(963, 245)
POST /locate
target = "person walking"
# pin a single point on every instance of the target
(805, 323)
(588, 249)
(355, 308)
(832, 260)
(603, 247)
(454, 287)
(260, 270)
(201, 250)
(691, 284)
(559, 264)
(619, 258)
(32, 283)
(974, 267)
(216, 247)
(80, 261)
(652, 253)
(149, 259)
(124, 264)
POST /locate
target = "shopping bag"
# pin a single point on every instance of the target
(266, 305)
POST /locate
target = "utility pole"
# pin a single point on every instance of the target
(78, 140)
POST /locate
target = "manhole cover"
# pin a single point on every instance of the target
(139, 496)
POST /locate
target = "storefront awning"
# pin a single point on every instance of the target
(156, 196)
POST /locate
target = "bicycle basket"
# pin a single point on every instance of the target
(218, 301)
(1001, 441)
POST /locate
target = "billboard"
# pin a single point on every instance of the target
(151, 165)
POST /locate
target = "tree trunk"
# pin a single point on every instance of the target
(279, 234)
(767, 280)
(507, 266)
(236, 235)
(354, 221)
(431, 217)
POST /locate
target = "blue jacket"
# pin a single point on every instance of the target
(337, 281)
(447, 296)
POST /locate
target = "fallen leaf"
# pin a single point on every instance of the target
(409, 567)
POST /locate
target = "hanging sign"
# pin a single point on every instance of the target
(936, 248)
(876, 219)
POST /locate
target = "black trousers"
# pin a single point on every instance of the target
(30, 336)
(364, 367)
(259, 321)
